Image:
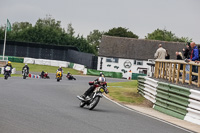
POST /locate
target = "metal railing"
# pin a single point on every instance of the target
(171, 70)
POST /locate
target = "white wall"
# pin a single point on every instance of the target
(112, 66)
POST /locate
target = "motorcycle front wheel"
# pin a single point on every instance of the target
(82, 104)
(94, 103)
(24, 76)
(6, 77)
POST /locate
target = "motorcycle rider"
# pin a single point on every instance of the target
(42, 74)
(101, 81)
(8, 64)
(101, 75)
(69, 76)
(26, 66)
(60, 69)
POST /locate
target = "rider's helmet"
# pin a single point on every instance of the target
(25, 64)
(9, 63)
(101, 80)
(60, 67)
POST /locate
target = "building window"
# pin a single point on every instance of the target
(138, 62)
(113, 60)
(134, 62)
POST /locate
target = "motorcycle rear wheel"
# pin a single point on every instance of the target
(94, 103)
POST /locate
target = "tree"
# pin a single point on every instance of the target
(165, 35)
(121, 32)
(94, 39)
(46, 31)
(70, 29)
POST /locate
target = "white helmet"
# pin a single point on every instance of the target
(60, 67)
(101, 79)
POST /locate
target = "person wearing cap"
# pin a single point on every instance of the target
(26, 66)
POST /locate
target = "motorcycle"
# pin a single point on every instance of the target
(58, 76)
(94, 98)
(70, 77)
(7, 72)
(25, 73)
(46, 76)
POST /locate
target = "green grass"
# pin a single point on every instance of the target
(125, 92)
(40, 68)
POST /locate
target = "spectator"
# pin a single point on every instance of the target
(194, 56)
(168, 56)
(186, 52)
(160, 52)
(179, 56)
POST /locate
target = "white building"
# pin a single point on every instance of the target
(119, 54)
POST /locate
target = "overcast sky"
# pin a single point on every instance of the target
(182, 17)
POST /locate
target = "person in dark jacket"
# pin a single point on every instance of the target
(179, 56)
(168, 56)
(26, 66)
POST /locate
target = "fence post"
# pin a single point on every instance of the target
(174, 71)
(198, 85)
(190, 75)
(183, 75)
(163, 64)
(170, 71)
(178, 72)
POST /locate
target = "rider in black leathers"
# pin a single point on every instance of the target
(101, 81)
(26, 66)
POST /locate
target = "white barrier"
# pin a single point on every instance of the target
(47, 62)
(39, 61)
(195, 94)
(194, 104)
(193, 109)
(29, 60)
(78, 67)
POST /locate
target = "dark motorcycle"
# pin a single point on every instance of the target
(94, 98)
(25, 73)
(70, 77)
(7, 72)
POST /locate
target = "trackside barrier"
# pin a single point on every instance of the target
(107, 74)
(177, 101)
(34, 76)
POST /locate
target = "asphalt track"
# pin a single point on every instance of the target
(47, 106)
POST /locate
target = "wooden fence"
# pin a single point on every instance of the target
(171, 70)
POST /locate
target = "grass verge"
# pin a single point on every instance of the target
(125, 92)
(45, 68)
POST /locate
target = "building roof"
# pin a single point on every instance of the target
(131, 48)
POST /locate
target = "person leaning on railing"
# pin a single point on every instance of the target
(193, 56)
(186, 53)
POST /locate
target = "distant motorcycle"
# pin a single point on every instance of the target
(94, 98)
(70, 77)
(58, 76)
(46, 76)
(7, 72)
(25, 73)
